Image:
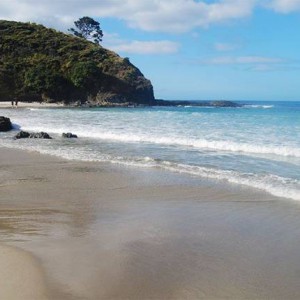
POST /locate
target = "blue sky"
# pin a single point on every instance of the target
(217, 49)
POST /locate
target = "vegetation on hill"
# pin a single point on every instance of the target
(42, 64)
(88, 29)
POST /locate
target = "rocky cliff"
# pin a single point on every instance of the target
(41, 64)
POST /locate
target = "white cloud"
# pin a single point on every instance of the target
(112, 39)
(249, 63)
(156, 15)
(230, 60)
(115, 43)
(284, 6)
(146, 47)
(223, 47)
(176, 16)
(184, 15)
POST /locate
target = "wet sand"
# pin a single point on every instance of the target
(21, 277)
(106, 232)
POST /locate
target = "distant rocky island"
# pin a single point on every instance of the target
(216, 103)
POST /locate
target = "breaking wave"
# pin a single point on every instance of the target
(270, 183)
(201, 144)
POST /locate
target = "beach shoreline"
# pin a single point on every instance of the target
(8, 104)
(107, 231)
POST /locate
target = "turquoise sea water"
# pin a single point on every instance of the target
(256, 146)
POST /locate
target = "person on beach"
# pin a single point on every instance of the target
(14, 103)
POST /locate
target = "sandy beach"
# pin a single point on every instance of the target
(83, 230)
(8, 104)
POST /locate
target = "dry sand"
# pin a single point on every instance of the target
(107, 232)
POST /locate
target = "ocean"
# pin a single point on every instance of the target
(257, 145)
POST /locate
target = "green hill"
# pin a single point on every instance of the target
(42, 64)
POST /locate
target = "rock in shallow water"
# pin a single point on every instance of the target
(5, 124)
(22, 135)
(69, 135)
(37, 135)
(40, 135)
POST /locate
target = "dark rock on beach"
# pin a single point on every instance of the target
(5, 124)
(22, 135)
(69, 135)
(37, 135)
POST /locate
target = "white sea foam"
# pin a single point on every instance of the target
(270, 183)
(39, 109)
(258, 106)
(201, 144)
(274, 185)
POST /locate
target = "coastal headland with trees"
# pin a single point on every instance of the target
(40, 64)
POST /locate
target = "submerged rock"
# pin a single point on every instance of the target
(69, 135)
(5, 124)
(224, 104)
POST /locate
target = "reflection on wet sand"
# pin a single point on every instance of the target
(113, 233)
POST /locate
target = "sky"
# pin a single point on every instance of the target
(191, 49)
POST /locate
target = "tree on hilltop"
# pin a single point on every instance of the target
(88, 29)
